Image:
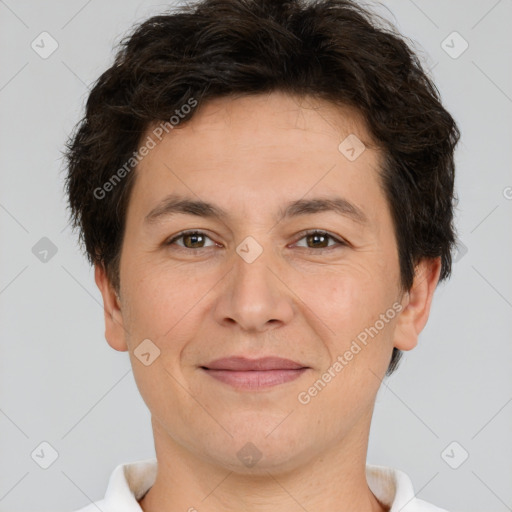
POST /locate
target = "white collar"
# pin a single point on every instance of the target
(129, 482)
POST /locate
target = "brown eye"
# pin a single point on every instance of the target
(191, 240)
(320, 240)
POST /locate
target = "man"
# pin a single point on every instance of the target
(265, 189)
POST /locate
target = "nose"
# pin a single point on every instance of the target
(255, 295)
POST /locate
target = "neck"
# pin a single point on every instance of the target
(333, 480)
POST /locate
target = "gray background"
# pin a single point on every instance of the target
(61, 383)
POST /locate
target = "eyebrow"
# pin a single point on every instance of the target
(175, 204)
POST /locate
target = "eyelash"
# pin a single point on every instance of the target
(304, 234)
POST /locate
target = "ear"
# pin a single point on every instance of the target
(416, 304)
(114, 327)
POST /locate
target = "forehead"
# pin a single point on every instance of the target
(257, 113)
(250, 149)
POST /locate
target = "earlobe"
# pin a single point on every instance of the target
(114, 326)
(416, 304)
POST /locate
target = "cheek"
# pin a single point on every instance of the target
(347, 295)
(345, 308)
(160, 297)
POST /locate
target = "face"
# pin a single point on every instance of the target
(262, 276)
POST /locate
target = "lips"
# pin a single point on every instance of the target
(254, 374)
(262, 364)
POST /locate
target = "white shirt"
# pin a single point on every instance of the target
(129, 482)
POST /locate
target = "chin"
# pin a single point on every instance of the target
(253, 460)
(255, 452)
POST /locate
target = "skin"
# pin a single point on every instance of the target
(300, 299)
